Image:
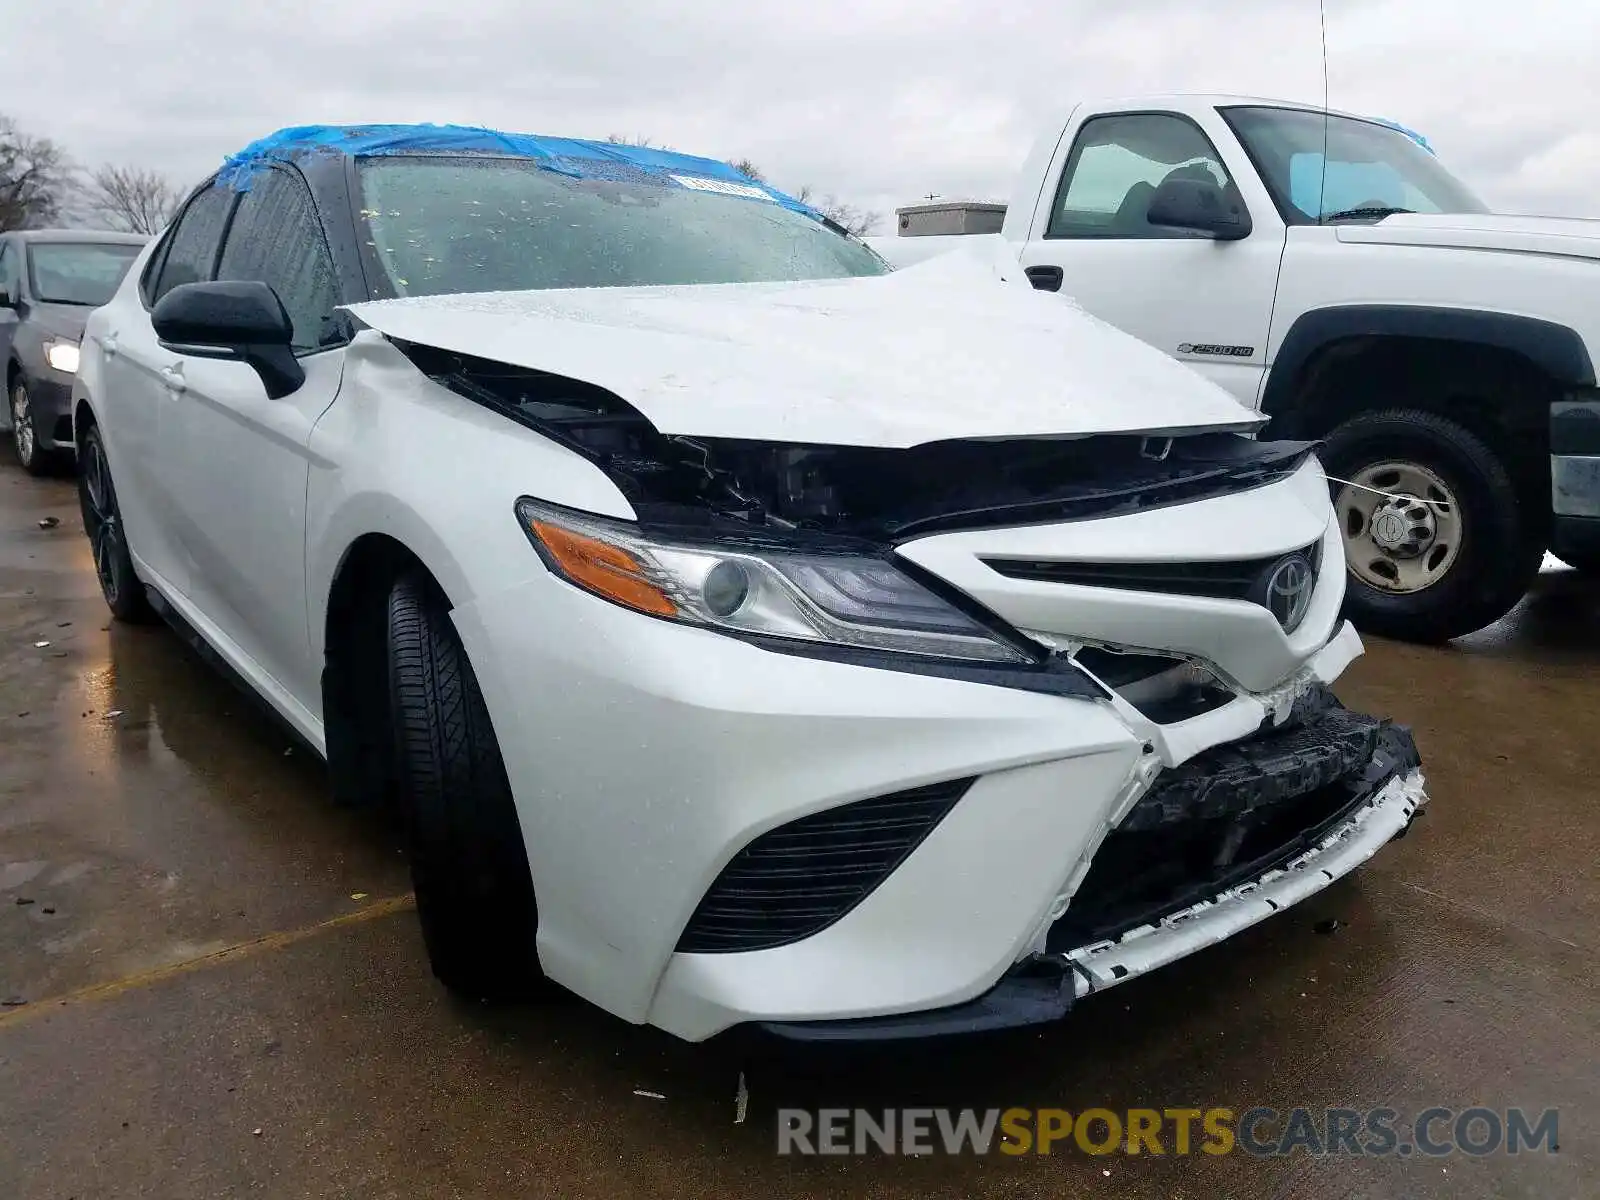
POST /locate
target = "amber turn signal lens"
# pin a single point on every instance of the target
(603, 568)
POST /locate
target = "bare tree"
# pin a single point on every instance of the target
(133, 199)
(854, 220)
(35, 175)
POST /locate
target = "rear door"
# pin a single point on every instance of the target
(1208, 303)
(135, 407)
(240, 463)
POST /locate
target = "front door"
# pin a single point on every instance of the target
(241, 460)
(1206, 302)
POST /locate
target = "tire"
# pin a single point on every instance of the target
(1496, 542)
(469, 865)
(108, 542)
(24, 438)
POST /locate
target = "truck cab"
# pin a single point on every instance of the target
(1327, 270)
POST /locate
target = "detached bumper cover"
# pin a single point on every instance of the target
(1356, 779)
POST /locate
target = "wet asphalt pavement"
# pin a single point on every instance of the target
(214, 985)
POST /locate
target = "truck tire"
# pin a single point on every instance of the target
(1438, 540)
(469, 865)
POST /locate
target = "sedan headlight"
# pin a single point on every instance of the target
(62, 355)
(842, 599)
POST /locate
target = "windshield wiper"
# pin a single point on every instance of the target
(1376, 210)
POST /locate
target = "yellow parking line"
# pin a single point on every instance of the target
(269, 941)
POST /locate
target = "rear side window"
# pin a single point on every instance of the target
(192, 254)
(276, 238)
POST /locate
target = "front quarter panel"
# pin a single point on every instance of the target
(401, 456)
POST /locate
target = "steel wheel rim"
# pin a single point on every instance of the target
(1401, 525)
(104, 527)
(22, 423)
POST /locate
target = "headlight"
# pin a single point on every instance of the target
(63, 356)
(841, 599)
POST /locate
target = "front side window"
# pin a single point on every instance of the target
(478, 224)
(1115, 167)
(82, 273)
(1371, 169)
(191, 256)
(276, 238)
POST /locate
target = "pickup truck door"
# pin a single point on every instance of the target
(1206, 302)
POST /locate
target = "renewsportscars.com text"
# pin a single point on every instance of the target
(1381, 1132)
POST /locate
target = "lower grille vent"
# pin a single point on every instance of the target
(797, 879)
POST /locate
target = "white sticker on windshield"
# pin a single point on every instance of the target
(701, 184)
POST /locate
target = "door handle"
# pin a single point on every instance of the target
(109, 345)
(173, 378)
(1046, 279)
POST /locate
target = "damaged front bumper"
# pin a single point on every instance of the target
(1232, 837)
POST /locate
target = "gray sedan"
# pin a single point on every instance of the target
(50, 281)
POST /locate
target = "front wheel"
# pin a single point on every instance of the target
(34, 458)
(469, 864)
(1437, 537)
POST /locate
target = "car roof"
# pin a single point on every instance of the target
(573, 157)
(80, 236)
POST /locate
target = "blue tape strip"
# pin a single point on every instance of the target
(574, 157)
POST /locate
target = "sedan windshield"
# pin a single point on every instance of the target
(456, 224)
(1372, 169)
(85, 273)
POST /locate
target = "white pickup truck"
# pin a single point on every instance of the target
(1329, 271)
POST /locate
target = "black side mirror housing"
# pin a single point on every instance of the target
(1200, 206)
(232, 318)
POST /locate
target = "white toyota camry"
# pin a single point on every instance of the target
(744, 632)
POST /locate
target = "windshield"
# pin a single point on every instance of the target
(455, 224)
(1369, 166)
(84, 273)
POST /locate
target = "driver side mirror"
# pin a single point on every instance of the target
(241, 319)
(1200, 206)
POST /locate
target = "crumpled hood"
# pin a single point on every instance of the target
(1572, 237)
(958, 347)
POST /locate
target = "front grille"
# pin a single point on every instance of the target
(1238, 579)
(1230, 815)
(797, 879)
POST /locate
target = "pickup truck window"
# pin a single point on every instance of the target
(1372, 169)
(1115, 167)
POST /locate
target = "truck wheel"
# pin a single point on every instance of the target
(1437, 539)
(469, 865)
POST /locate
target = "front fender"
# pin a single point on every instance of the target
(397, 454)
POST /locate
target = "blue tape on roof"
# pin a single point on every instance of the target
(568, 156)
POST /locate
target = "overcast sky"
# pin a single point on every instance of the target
(880, 101)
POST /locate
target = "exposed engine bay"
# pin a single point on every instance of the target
(869, 492)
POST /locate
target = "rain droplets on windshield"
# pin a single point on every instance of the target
(457, 224)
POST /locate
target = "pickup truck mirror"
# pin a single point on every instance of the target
(241, 319)
(1201, 206)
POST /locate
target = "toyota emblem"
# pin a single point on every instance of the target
(1286, 590)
